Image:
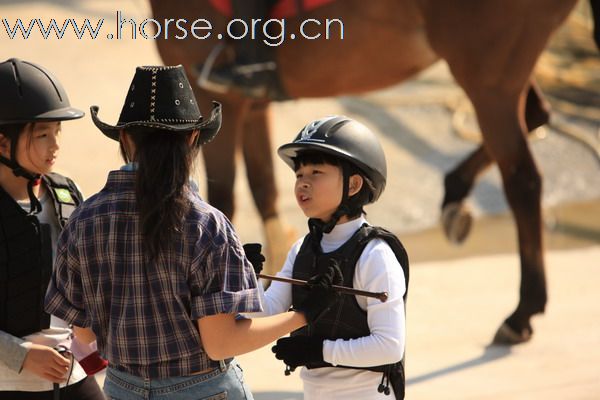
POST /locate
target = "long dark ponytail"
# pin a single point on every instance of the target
(165, 161)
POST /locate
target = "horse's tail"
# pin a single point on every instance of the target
(596, 17)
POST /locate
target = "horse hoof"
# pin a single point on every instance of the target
(456, 221)
(507, 336)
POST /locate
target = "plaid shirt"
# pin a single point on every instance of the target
(144, 314)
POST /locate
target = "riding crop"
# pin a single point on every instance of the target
(382, 296)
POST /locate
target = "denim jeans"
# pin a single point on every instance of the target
(226, 383)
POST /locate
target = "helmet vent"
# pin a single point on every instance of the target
(335, 127)
(17, 78)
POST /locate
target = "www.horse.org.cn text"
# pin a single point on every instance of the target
(274, 32)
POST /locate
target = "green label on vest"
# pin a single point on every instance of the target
(63, 195)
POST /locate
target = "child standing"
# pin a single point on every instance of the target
(158, 274)
(34, 206)
(356, 349)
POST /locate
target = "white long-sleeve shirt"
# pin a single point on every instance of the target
(377, 270)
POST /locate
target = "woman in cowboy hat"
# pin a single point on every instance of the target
(35, 203)
(156, 273)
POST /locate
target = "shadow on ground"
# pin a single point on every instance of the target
(490, 354)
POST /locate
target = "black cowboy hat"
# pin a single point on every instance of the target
(162, 98)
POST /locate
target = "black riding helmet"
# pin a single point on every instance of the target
(29, 93)
(344, 138)
(349, 141)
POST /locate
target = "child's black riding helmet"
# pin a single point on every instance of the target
(344, 138)
(31, 93)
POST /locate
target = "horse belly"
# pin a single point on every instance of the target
(379, 49)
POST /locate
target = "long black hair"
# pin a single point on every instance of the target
(165, 161)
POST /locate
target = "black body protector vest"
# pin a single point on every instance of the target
(26, 257)
(346, 320)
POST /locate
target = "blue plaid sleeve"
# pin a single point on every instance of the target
(64, 297)
(222, 279)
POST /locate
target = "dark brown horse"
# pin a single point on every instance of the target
(491, 47)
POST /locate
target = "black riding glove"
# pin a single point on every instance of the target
(321, 296)
(299, 350)
(253, 254)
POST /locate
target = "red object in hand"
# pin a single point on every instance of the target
(93, 363)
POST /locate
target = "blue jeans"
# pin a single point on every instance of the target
(226, 383)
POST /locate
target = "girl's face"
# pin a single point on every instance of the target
(318, 190)
(38, 147)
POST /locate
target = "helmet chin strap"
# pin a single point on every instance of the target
(32, 180)
(318, 227)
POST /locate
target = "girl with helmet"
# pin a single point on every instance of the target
(158, 274)
(355, 350)
(34, 206)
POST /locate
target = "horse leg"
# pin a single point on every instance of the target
(492, 57)
(506, 143)
(595, 4)
(456, 216)
(219, 158)
(259, 168)
(256, 147)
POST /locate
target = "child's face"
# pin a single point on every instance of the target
(318, 190)
(38, 148)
